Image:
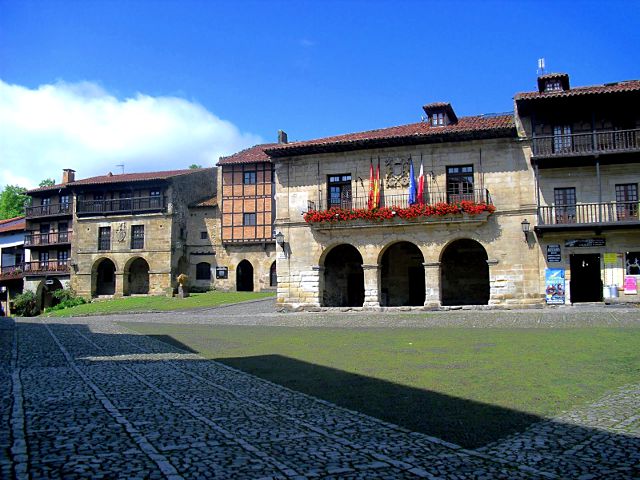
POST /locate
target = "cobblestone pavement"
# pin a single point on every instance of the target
(86, 398)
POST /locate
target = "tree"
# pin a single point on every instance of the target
(12, 201)
(193, 166)
(47, 182)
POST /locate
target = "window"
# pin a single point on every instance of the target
(125, 200)
(64, 199)
(44, 260)
(627, 201)
(204, 235)
(340, 190)
(203, 271)
(561, 138)
(632, 263)
(437, 119)
(248, 218)
(63, 256)
(552, 85)
(249, 178)
(564, 200)
(155, 200)
(104, 238)
(460, 183)
(63, 232)
(45, 206)
(137, 236)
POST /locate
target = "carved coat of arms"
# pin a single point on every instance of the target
(121, 232)
(397, 172)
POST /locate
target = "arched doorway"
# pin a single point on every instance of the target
(105, 277)
(244, 276)
(464, 274)
(137, 275)
(343, 278)
(273, 275)
(402, 276)
(45, 291)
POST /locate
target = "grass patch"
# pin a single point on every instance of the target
(469, 386)
(159, 303)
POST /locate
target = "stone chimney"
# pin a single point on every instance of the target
(282, 137)
(68, 176)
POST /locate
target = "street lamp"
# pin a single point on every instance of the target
(525, 228)
(280, 239)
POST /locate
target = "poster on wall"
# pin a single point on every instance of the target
(554, 286)
(630, 285)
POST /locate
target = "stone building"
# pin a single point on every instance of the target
(11, 261)
(584, 145)
(230, 243)
(459, 243)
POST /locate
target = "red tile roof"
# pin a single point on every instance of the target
(206, 202)
(15, 224)
(617, 87)
(253, 154)
(481, 126)
(122, 178)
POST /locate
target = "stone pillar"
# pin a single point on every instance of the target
(431, 284)
(318, 273)
(496, 284)
(371, 296)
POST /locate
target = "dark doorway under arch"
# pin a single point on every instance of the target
(45, 291)
(402, 276)
(105, 277)
(244, 276)
(464, 274)
(273, 275)
(138, 277)
(343, 278)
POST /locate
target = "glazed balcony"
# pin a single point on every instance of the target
(589, 215)
(586, 144)
(122, 206)
(12, 272)
(46, 267)
(43, 239)
(51, 210)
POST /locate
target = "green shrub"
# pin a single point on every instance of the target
(26, 305)
(66, 298)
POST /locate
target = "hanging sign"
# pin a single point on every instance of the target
(554, 253)
(630, 285)
(585, 242)
(554, 286)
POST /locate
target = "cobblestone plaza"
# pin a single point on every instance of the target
(87, 398)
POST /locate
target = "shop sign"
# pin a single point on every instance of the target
(630, 285)
(585, 242)
(554, 253)
(554, 286)
(222, 272)
(610, 258)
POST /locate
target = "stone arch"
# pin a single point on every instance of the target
(464, 273)
(273, 275)
(244, 276)
(44, 293)
(402, 275)
(343, 277)
(103, 277)
(136, 277)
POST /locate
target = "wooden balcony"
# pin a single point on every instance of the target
(52, 210)
(122, 206)
(43, 239)
(586, 144)
(12, 272)
(46, 267)
(589, 215)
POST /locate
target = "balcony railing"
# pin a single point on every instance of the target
(122, 205)
(398, 201)
(49, 210)
(12, 271)
(49, 266)
(589, 213)
(577, 144)
(53, 238)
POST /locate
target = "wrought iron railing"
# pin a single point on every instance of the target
(122, 205)
(587, 143)
(53, 238)
(47, 266)
(49, 210)
(588, 213)
(399, 200)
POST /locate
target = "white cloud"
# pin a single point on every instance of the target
(81, 126)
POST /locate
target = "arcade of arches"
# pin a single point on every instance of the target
(135, 279)
(399, 277)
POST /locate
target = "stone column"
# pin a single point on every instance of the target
(318, 272)
(496, 285)
(431, 284)
(371, 297)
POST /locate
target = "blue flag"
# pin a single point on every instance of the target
(412, 186)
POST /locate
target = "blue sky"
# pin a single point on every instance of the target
(310, 68)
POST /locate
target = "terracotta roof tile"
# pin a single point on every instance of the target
(15, 224)
(255, 154)
(486, 125)
(617, 87)
(206, 202)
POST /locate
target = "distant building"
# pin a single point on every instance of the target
(11, 260)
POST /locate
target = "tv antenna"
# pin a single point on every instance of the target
(121, 165)
(541, 66)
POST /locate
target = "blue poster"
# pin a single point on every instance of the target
(554, 286)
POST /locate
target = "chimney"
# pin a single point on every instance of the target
(282, 137)
(68, 176)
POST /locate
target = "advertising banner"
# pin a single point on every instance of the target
(630, 285)
(554, 286)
